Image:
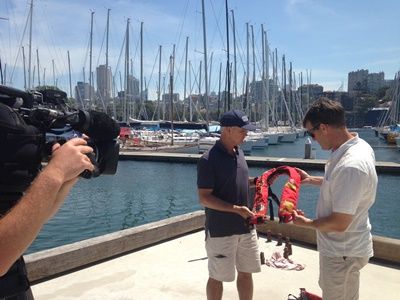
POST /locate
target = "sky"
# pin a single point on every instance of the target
(323, 39)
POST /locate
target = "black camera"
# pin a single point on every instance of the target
(31, 122)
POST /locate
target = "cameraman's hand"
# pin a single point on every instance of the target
(70, 159)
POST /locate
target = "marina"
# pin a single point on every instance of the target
(151, 186)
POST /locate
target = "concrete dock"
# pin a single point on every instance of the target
(253, 161)
(175, 267)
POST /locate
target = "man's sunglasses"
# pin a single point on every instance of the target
(310, 132)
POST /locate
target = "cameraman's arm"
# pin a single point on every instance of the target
(21, 225)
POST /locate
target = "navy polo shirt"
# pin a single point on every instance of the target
(228, 176)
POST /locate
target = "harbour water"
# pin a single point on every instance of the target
(143, 192)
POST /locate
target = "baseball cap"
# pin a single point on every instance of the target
(236, 118)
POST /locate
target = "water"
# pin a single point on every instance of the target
(143, 192)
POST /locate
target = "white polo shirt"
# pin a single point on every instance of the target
(349, 187)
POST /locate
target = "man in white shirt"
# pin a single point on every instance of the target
(347, 191)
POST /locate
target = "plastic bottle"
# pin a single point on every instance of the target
(307, 148)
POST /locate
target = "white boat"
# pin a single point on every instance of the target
(288, 137)
(246, 146)
(258, 138)
(398, 142)
(273, 138)
(205, 143)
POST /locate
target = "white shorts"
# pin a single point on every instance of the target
(225, 254)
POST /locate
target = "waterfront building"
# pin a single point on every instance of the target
(357, 82)
(361, 81)
(133, 88)
(82, 93)
(103, 82)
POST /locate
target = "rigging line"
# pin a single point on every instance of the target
(135, 53)
(157, 53)
(182, 24)
(217, 21)
(87, 52)
(10, 12)
(195, 76)
(57, 51)
(101, 47)
(178, 78)
(19, 47)
(152, 71)
(119, 57)
(240, 49)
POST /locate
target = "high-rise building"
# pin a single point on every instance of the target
(103, 82)
(133, 88)
(82, 93)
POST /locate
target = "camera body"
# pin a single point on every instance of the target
(31, 122)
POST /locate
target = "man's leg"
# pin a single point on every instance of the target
(214, 289)
(247, 262)
(332, 276)
(352, 281)
(244, 285)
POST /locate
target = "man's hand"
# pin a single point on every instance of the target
(300, 219)
(305, 177)
(308, 179)
(70, 159)
(244, 211)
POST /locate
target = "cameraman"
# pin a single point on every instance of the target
(23, 222)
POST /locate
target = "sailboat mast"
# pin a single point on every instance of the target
(1, 74)
(171, 93)
(267, 99)
(38, 69)
(190, 93)
(219, 91)
(184, 84)
(23, 61)
(275, 82)
(30, 45)
(69, 75)
(141, 68)
(247, 67)
(234, 57)
(228, 75)
(108, 78)
(205, 62)
(125, 117)
(263, 89)
(159, 85)
(254, 75)
(90, 59)
(291, 102)
(54, 73)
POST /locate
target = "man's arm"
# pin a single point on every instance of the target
(207, 199)
(308, 179)
(336, 222)
(20, 226)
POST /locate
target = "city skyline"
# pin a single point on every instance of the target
(327, 38)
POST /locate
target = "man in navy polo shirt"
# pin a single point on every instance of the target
(223, 188)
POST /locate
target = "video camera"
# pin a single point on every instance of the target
(31, 122)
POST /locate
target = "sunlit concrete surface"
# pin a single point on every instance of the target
(177, 269)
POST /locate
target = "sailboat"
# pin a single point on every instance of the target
(389, 126)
